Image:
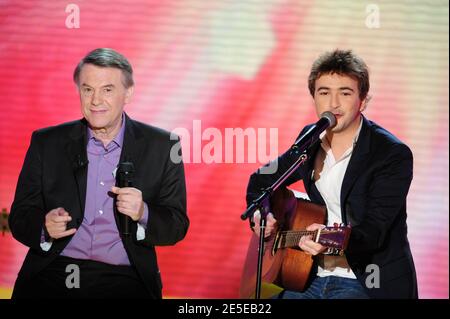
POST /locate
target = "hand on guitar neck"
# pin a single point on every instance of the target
(306, 243)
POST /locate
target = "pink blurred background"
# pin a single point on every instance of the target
(233, 64)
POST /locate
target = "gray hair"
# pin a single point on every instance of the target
(105, 57)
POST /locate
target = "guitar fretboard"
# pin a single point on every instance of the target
(291, 238)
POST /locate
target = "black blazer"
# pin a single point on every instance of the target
(373, 202)
(53, 175)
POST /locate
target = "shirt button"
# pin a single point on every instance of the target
(101, 212)
(101, 183)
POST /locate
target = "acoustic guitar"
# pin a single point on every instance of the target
(285, 265)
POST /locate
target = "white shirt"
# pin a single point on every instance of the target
(329, 185)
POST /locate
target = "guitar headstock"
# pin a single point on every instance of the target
(335, 238)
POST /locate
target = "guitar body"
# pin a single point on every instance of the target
(289, 267)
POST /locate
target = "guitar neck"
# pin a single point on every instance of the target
(291, 238)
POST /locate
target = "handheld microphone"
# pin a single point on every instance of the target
(327, 120)
(124, 178)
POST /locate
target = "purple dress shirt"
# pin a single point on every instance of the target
(98, 238)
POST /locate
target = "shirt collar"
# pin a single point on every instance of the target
(118, 139)
(326, 146)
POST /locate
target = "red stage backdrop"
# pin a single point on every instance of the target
(203, 67)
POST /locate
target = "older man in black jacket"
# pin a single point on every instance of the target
(67, 207)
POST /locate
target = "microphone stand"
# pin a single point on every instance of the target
(262, 232)
(300, 147)
(261, 203)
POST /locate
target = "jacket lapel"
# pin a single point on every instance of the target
(357, 162)
(76, 150)
(132, 144)
(310, 186)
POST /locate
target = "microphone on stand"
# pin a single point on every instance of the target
(327, 120)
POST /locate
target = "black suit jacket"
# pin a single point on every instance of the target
(53, 175)
(373, 201)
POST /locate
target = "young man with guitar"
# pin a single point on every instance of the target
(362, 174)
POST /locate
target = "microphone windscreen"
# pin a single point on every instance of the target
(330, 117)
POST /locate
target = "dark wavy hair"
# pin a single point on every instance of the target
(342, 62)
